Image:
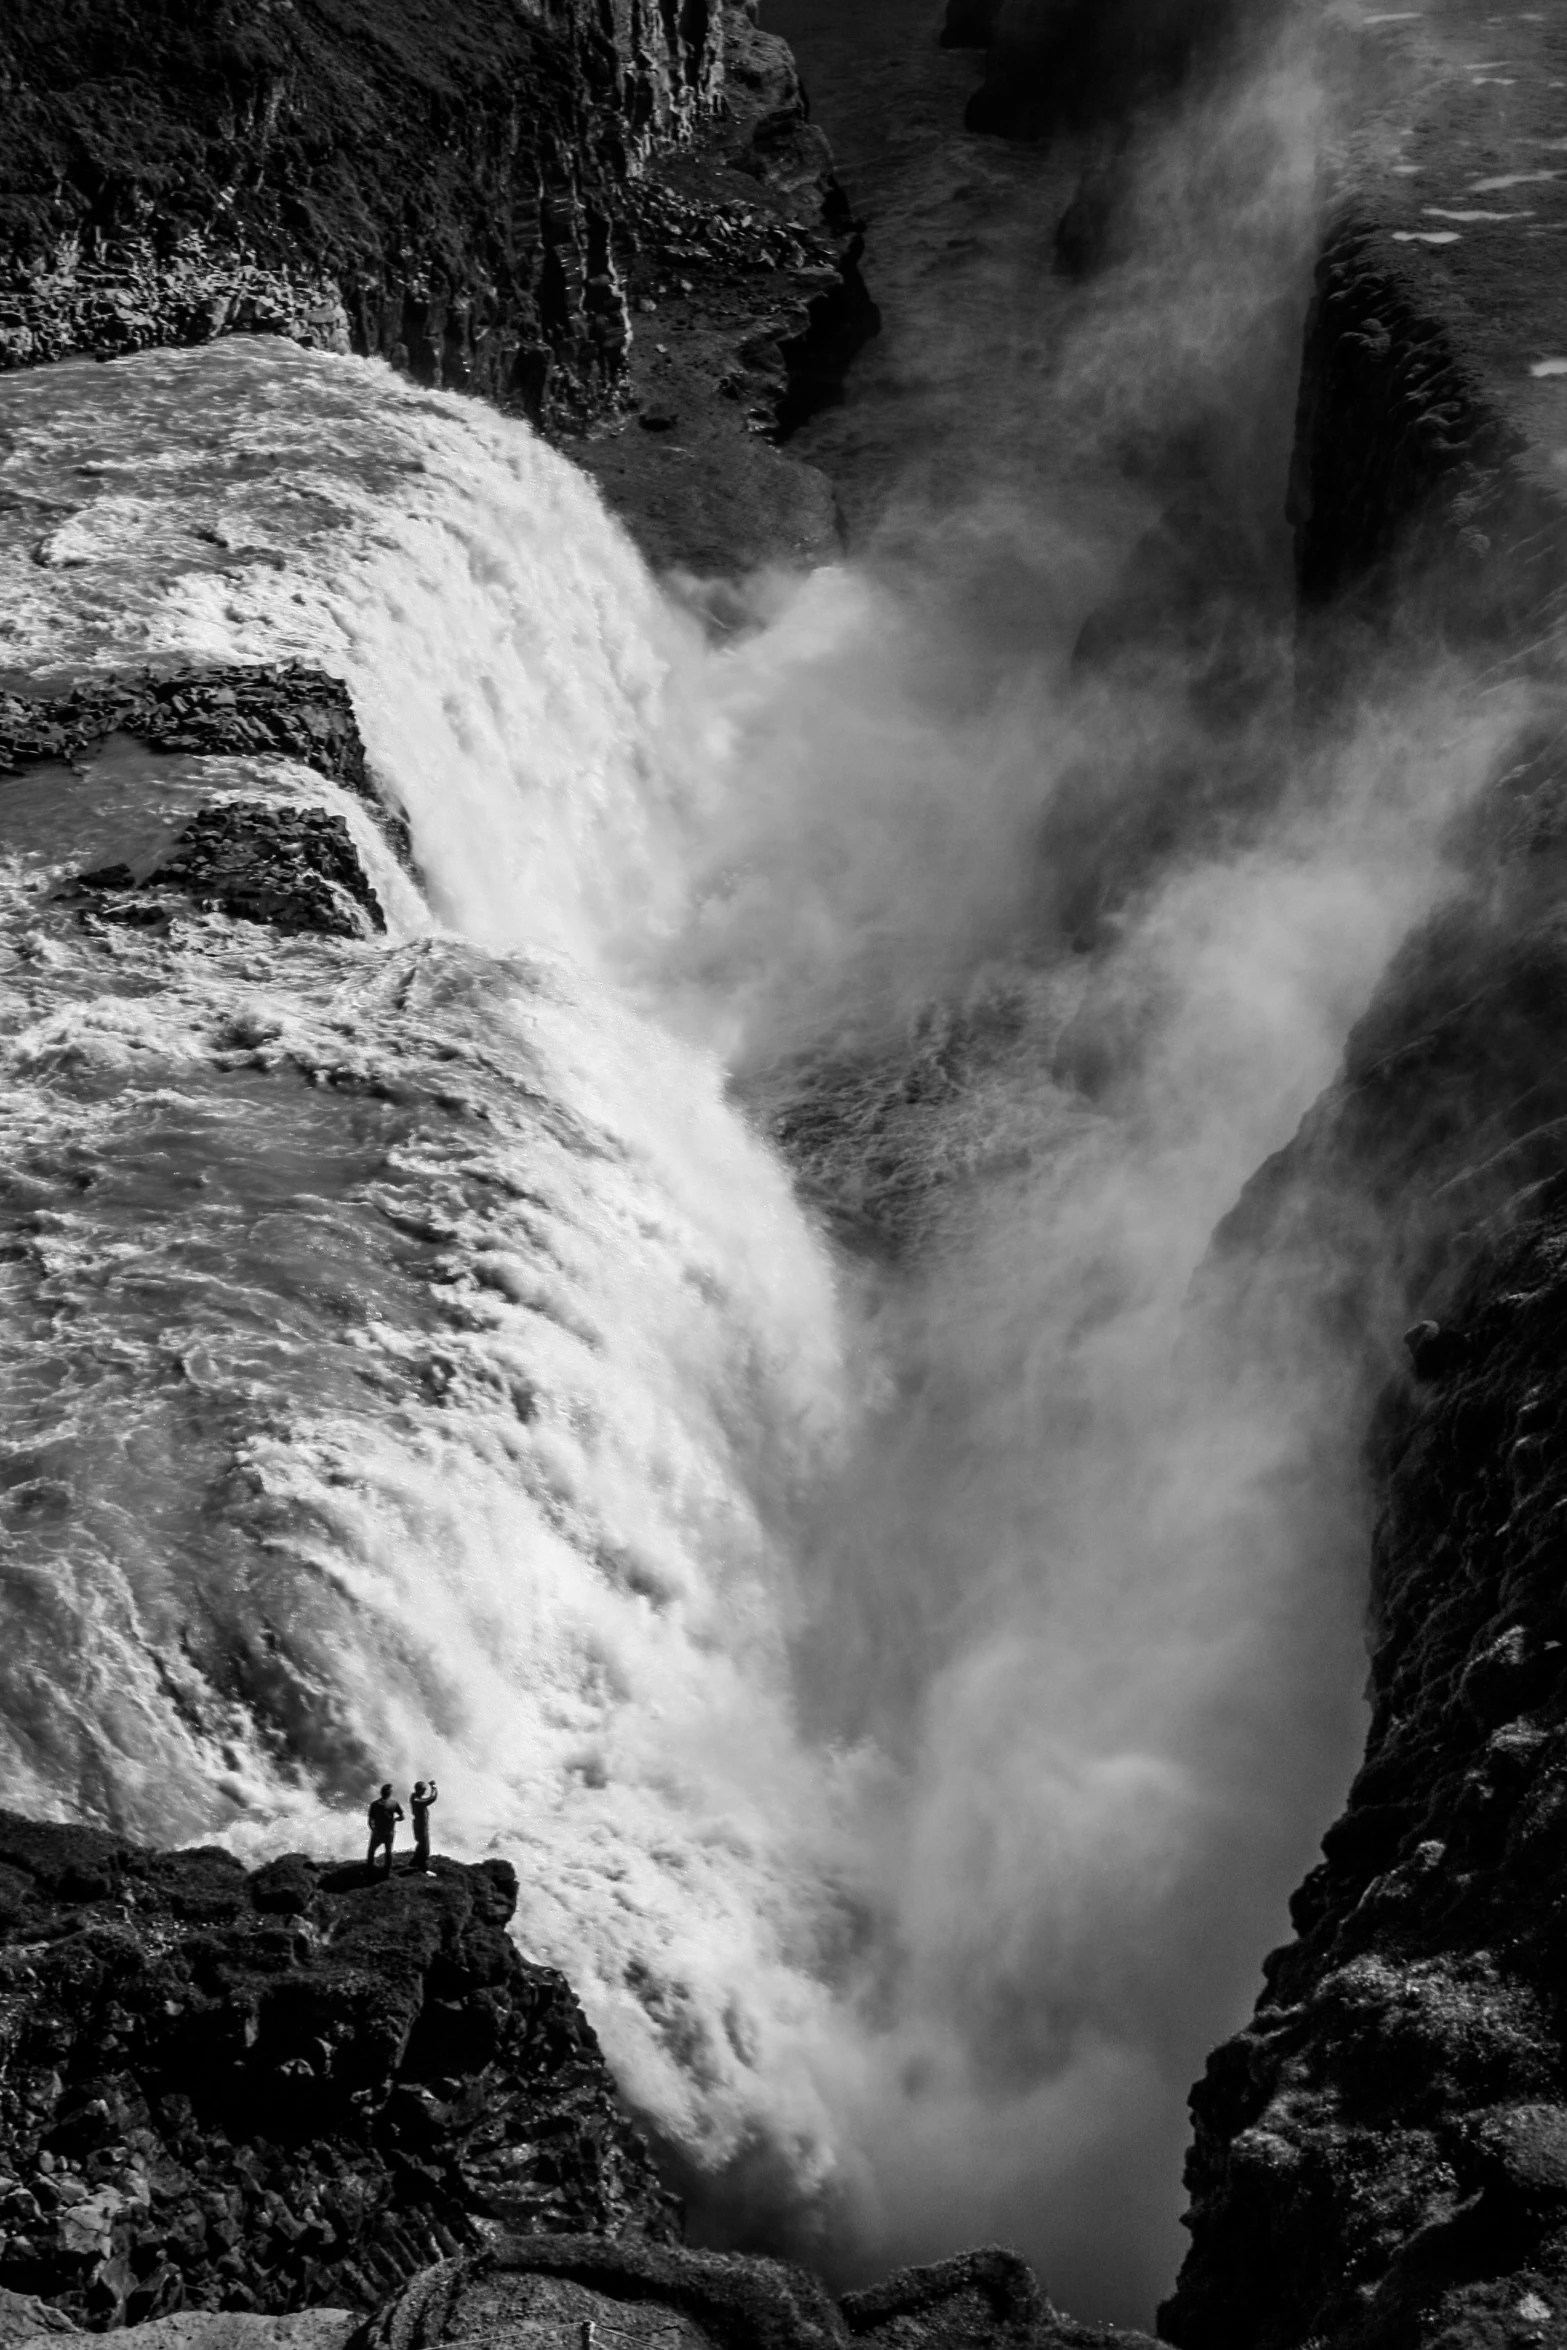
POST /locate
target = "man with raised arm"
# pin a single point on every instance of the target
(419, 1803)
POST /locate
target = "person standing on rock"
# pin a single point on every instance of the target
(384, 1816)
(419, 1803)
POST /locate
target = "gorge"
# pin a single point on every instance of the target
(778, 878)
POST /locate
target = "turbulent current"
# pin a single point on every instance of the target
(683, 1338)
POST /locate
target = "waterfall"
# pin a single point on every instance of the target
(421, 1358)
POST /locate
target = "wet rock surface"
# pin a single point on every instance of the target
(296, 869)
(282, 2089)
(293, 710)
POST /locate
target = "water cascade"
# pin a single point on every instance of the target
(683, 1337)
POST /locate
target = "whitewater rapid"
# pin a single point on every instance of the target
(411, 1357)
(894, 1680)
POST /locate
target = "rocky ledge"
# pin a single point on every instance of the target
(290, 2086)
(287, 709)
(309, 2087)
(296, 868)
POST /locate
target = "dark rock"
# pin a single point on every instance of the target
(293, 868)
(741, 253)
(1434, 1352)
(984, 2300)
(1407, 491)
(477, 193)
(283, 2089)
(1384, 2151)
(1056, 64)
(437, 186)
(285, 709)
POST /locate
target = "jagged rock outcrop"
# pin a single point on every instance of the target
(281, 2088)
(1381, 2157)
(290, 709)
(272, 709)
(296, 869)
(308, 2087)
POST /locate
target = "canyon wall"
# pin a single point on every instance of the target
(1381, 2155)
(477, 193)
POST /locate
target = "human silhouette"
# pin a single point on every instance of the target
(423, 1796)
(384, 1816)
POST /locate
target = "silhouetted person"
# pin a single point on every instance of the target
(419, 1803)
(384, 1816)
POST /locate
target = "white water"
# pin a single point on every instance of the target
(904, 1696)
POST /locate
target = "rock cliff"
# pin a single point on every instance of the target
(309, 2087)
(292, 2086)
(477, 192)
(1380, 2157)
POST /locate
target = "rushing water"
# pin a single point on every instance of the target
(905, 1692)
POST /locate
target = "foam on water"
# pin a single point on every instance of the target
(412, 1358)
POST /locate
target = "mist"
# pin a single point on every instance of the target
(1034, 917)
(692, 1339)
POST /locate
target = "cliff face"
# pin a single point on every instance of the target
(283, 2088)
(1380, 2158)
(477, 192)
(308, 2087)
(440, 187)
